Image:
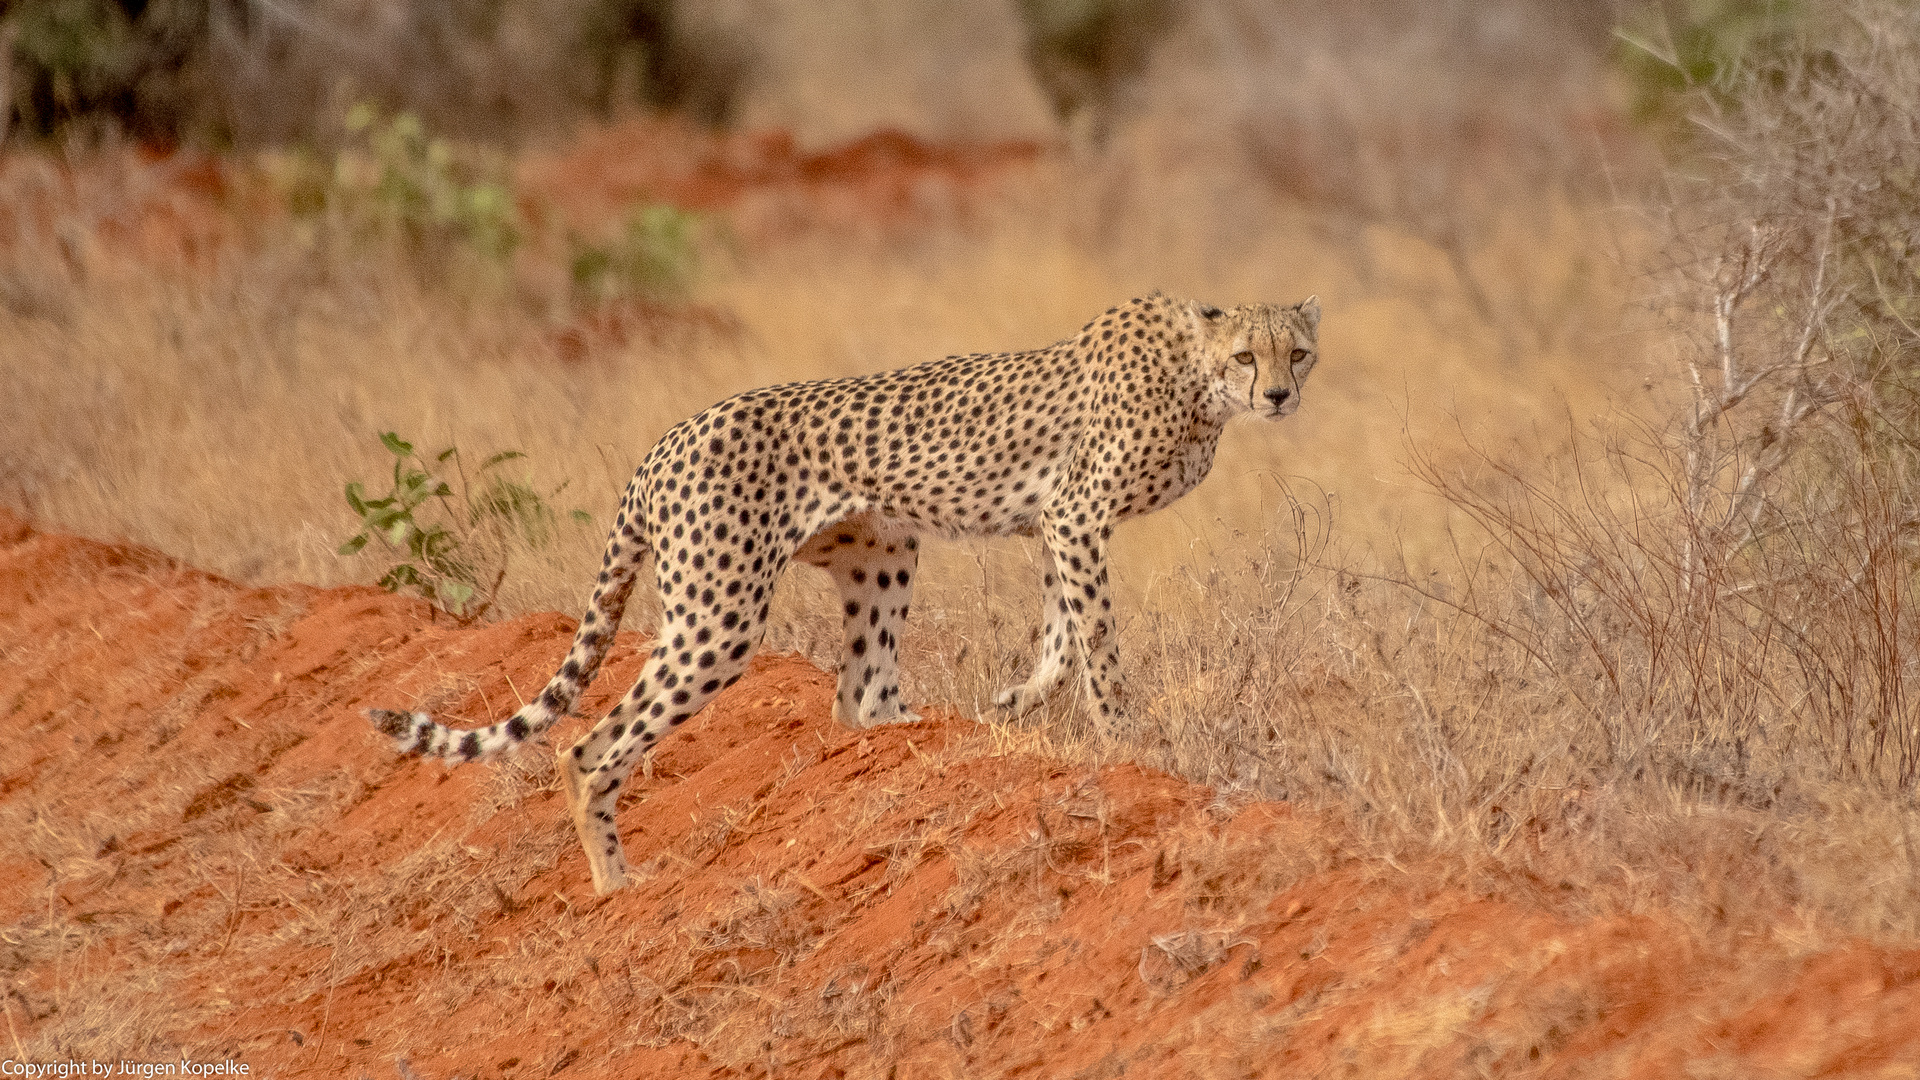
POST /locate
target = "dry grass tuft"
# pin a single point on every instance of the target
(760, 918)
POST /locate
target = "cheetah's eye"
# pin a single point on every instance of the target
(1243, 358)
(1299, 355)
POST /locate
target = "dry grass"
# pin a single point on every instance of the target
(178, 938)
(216, 415)
(1472, 658)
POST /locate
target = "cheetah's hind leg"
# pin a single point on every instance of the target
(598, 751)
(607, 863)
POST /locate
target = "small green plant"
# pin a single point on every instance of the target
(654, 258)
(397, 180)
(446, 554)
(1668, 51)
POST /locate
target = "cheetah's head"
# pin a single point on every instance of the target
(1259, 354)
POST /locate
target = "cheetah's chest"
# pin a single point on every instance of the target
(1175, 462)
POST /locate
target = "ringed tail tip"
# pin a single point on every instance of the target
(405, 728)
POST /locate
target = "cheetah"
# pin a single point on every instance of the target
(845, 474)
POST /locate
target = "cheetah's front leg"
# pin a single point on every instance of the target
(1056, 637)
(1079, 550)
(872, 561)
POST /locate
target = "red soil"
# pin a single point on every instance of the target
(888, 177)
(173, 210)
(206, 845)
(181, 209)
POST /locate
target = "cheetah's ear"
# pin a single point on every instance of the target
(1199, 317)
(1310, 308)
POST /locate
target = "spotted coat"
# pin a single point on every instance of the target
(845, 474)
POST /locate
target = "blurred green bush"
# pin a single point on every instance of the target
(1085, 52)
(408, 183)
(221, 72)
(1669, 50)
(653, 258)
(88, 61)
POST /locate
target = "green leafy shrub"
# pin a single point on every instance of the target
(451, 532)
(654, 258)
(397, 181)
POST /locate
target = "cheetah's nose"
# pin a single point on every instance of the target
(1278, 394)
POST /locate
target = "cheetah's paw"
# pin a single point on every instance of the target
(1016, 699)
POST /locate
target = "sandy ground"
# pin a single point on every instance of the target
(209, 855)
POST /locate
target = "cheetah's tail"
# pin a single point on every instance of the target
(420, 735)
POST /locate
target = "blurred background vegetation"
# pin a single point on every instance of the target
(247, 73)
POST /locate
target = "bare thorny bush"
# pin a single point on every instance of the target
(1708, 608)
(1730, 592)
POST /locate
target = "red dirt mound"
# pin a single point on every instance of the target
(173, 210)
(183, 209)
(887, 177)
(207, 855)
